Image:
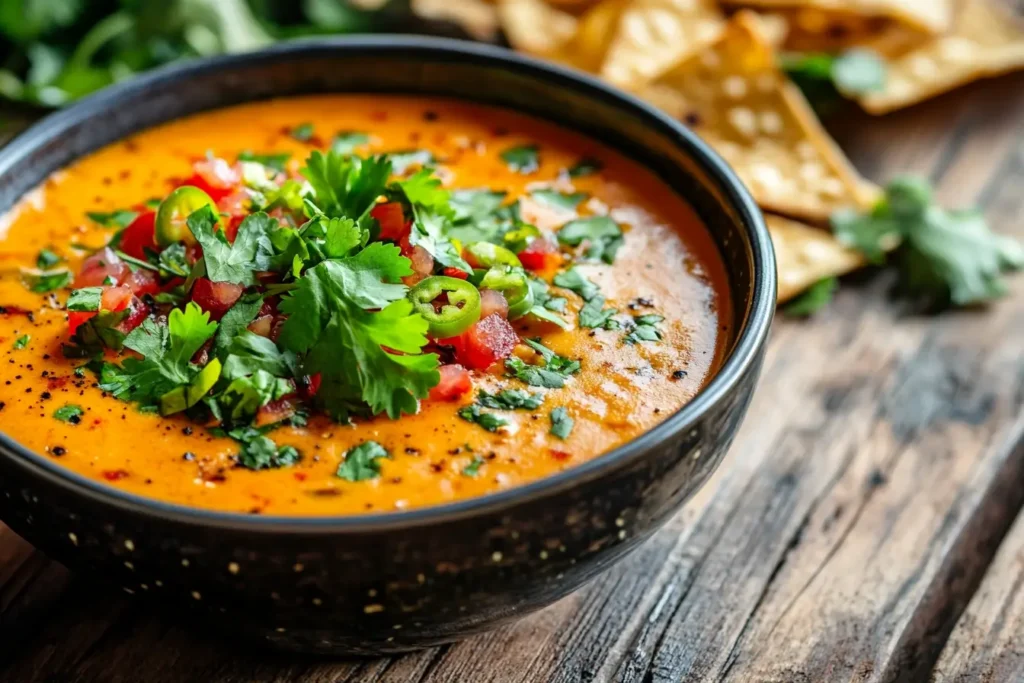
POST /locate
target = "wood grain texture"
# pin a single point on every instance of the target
(857, 513)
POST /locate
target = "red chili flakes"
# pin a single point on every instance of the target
(301, 476)
(561, 456)
(114, 475)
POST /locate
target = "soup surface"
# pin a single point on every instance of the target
(255, 410)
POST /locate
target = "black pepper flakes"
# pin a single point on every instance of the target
(678, 374)
(58, 451)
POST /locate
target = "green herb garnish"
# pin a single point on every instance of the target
(473, 468)
(362, 462)
(69, 413)
(302, 132)
(644, 329)
(510, 399)
(524, 159)
(561, 423)
(22, 341)
(602, 235)
(119, 218)
(815, 298)
(47, 259)
(46, 282)
(488, 421)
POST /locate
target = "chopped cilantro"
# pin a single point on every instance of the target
(404, 160)
(347, 141)
(602, 235)
(350, 321)
(593, 314)
(575, 281)
(85, 299)
(69, 412)
(233, 262)
(584, 167)
(814, 299)
(510, 399)
(553, 360)
(559, 200)
(47, 258)
(488, 421)
(431, 217)
(644, 329)
(49, 281)
(22, 341)
(274, 161)
(346, 186)
(303, 132)
(523, 159)
(259, 452)
(552, 376)
(473, 468)
(561, 423)
(362, 462)
(119, 218)
(475, 205)
(235, 321)
(172, 261)
(944, 256)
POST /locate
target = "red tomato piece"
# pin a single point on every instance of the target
(137, 313)
(101, 265)
(231, 228)
(309, 385)
(456, 273)
(491, 339)
(215, 177)
(215, 297)
(76, 319)
(420, 260)
(140, 235)
(540, 254)
(492, 302)
(455, 382)
(274, 412)
(115, 298)
(391, 217)
(143, 282)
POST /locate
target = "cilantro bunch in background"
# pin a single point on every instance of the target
(55, 51)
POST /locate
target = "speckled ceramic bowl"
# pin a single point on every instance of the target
(390, 582)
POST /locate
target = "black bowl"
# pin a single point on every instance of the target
(398, 581)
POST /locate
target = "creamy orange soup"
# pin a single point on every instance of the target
(667, 266)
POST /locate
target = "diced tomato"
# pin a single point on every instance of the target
(540, 254)
(101, 265)
(492, 302)
(420, 259)
(139, 235)
(143, 282)
(274, 412)
(231, 227)
(115, 298)
(215, 177)
(76, 319)
(391, 217)
(237, 204)
(455, 382)
(137, 313)
(215, 297)
(489, 340)
(456, 273)
(309, 385)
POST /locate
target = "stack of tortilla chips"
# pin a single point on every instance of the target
(714, 64)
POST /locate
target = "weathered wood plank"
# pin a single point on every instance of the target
(987, 645)
(839, 541)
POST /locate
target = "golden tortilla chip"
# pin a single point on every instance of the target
(985, 41)
(818, 16)
(478, 18)
(804, 255)
(652, 36)
(533, 26)
(735, 97)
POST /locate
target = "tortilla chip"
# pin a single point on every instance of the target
(985, 41)
(804, 255)
(652, 36)
(816, 16)
(478, 18)
(532, 26)
(735, 97)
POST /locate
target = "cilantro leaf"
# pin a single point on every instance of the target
(347, 141)
(244, 396)
(259, 452)
(561, 423)
(593, 314)
(48, 281)
(473, 468)
(47, 258)
(404, 160)
(644, 329)
(250, 353)
(21, 342)
(274, 161)
(346, 186)
(69, 413)
(235, 263)
(510, 399)
(584, 167)
(602, 234)
(119, 218)
(559, 200)
(859, 71)
(943, 256)
(367, 358)
(432, 217)
(362, 462)
(524, 159)
(235, 321)
(553, 361)
(817, 297)
(303, 132)
(85, 299)
(172, 261)
(472, 205)
(552, 376)
(488, 421)
(577, 282)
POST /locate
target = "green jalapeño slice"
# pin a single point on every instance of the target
(449, 305)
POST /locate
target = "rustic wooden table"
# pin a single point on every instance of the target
(862, 528)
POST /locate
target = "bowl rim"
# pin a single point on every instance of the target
(744, 353)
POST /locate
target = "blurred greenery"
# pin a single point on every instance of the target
(55, 51)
